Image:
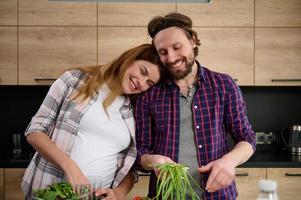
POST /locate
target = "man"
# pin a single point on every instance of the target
(187, 117)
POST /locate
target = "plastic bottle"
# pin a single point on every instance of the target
(267, 190)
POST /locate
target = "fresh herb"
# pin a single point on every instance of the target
(174, 182)
(59, 191)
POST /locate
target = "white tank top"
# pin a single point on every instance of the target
(100, 138)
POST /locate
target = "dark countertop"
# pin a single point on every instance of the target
(261, 159)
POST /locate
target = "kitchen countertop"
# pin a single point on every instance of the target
(261, 159)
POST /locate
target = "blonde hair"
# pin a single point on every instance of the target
(113, 72)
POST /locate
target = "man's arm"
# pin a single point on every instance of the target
(223, 170)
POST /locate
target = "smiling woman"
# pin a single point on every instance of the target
(85, 126)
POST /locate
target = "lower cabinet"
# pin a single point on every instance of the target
(1, 184)
(140, 188)
(288, 182)
(12, 183)
(247, 182)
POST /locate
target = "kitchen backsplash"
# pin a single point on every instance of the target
(269, 108)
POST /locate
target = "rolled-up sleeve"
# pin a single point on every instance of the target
(236, 119)
(44, 119)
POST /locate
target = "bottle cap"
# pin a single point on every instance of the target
(267, 185)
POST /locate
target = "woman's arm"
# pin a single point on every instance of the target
(48, 150)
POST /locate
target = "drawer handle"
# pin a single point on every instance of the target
(289, 174)
(235, 79)
(44, 79)
(242, 174)
(285, 80)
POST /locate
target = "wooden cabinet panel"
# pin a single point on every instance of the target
(228, 50)
(140, 188)
(131, 14)
(44, 52)
(1, 184)
(8, 55)
(220, 13)
(13, 179)
(247, 182)
(112, 41)
(8, 12)
(278, 56)
(42, 12)
(278, 13)
(288, 182)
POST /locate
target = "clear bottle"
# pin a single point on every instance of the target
(267, 190)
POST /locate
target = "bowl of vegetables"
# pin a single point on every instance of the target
(61, 191)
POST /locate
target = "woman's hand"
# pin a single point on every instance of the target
(110, 194)
(74, 175)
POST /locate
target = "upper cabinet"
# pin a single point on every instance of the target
(278, 13)
(278, 56)
(112, 41)
(45, 13)
(8, 55)
(131, 14)
(228, 50)
(220, 13)
(8, 12)
(45, 52)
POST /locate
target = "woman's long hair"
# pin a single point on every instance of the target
(113, 72)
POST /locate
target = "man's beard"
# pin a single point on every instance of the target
(179, 74)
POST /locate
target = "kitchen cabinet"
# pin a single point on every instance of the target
(12, 183)
(277, 13)
(131, 14)
(1, 184)
(220, 13)
(228, 50)
(8, 55)
(45, 52)
(112, 41)
(288, 182)
(247, 182)
(140, 188)
(277, 56)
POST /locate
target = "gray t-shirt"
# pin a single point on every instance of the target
(187, 146)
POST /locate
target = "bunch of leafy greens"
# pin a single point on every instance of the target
(57, 191)
(174, 182)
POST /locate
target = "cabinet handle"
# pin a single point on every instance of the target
(44, 79)
(289, 174)
(242, 174)
(285, 79)
(235, 79)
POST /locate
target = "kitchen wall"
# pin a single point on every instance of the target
(257, 42)
(252, 40)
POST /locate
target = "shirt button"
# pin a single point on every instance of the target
(195, 106)
(197, 127)
(200, 146)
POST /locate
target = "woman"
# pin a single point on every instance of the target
(85, 128)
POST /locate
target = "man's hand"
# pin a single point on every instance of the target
(221, 175)
(149, 161)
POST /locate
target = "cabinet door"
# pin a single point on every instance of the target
(12, 184)
(44, 52)
(1, 184)
(228, 50)
(247, 180)
(288, 182)
(277, 56)
(140, 188)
